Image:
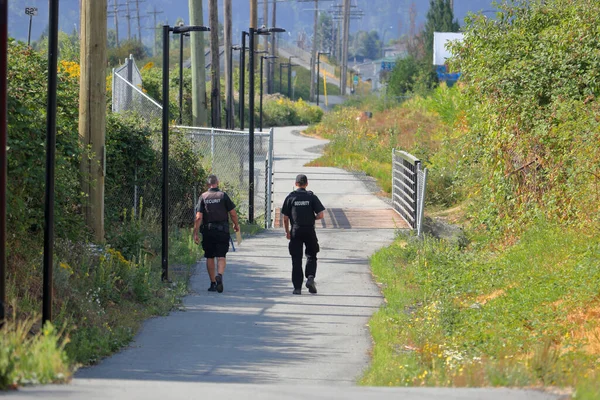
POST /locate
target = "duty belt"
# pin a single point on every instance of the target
(218, 226)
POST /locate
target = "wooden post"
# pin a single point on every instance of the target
(199, 109)
(215, 64)
(344, 61)
(228, 62)
(92, 110)
(313, 54)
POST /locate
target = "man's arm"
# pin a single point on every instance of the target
(286, 226)
(234, 218)
(197, 224)
(320, 215)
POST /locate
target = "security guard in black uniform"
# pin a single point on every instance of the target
(212, 215)
(302, 208)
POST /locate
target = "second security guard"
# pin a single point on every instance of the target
(301, 209)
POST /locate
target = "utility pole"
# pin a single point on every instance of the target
(199, 108)
(215, 69)
(116, 15)
(346, 33)
(154, 27)
(139, 19)
(313, 53)
(92, 110)
(271, 80)
(128, 16)
(228, 63)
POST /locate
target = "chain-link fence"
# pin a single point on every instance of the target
(225, 154)
(192, 151)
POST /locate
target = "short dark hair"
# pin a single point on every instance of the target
(301, 180)
(212, 180)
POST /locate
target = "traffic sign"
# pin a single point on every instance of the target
(355, 79)
(31, 11)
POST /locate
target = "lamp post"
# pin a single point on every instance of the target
(319, 70)
(50, 161)
(290, 65)
(383, 41)
(181, 73)
(230, 101)
(262, 59)
(252, 32)
(281, 66)
(242, 77)
(32, 12)
(165, 139)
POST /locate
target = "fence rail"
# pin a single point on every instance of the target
(409, 182)
(223, 152)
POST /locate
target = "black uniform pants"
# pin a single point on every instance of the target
(300, 237)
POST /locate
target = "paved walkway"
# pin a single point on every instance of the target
(257, 337)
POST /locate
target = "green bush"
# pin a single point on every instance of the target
(27, 92)
(531, 80)
(134, 158)
(31, 359)
(279, 111)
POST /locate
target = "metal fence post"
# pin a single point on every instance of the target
(421, 203)
(212, 149)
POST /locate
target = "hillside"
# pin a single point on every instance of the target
(295, 17)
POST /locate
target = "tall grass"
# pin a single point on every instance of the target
(520, 315)
(31, 358)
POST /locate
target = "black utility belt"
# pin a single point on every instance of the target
(217, 226)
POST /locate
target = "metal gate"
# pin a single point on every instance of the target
(408, 188)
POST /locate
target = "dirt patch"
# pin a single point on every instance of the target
(587, 327)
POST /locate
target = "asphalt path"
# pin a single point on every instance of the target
(256, 339)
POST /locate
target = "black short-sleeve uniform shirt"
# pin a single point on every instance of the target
(302, 206)
(215, 206)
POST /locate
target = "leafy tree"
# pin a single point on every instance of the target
(366, 44)
(440, 18)
(326, 38)
(68, 46)
(117, 55)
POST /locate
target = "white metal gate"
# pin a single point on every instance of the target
(409, 182)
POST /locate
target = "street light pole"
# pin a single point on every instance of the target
(230, 101)
(252, 32)
(319, 71)
(242, 78)
(383, 41)
(50, 162)
(262, 59)
(31, 11)
(165, 140)
(290, 65)
(181, 75)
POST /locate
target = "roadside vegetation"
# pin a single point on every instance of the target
(102, 293)
(512, 152)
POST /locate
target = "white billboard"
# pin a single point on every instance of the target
(440, 54)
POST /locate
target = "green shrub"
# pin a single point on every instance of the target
(27, 91)
(279, 111)
(531, 80)
(27, 358)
